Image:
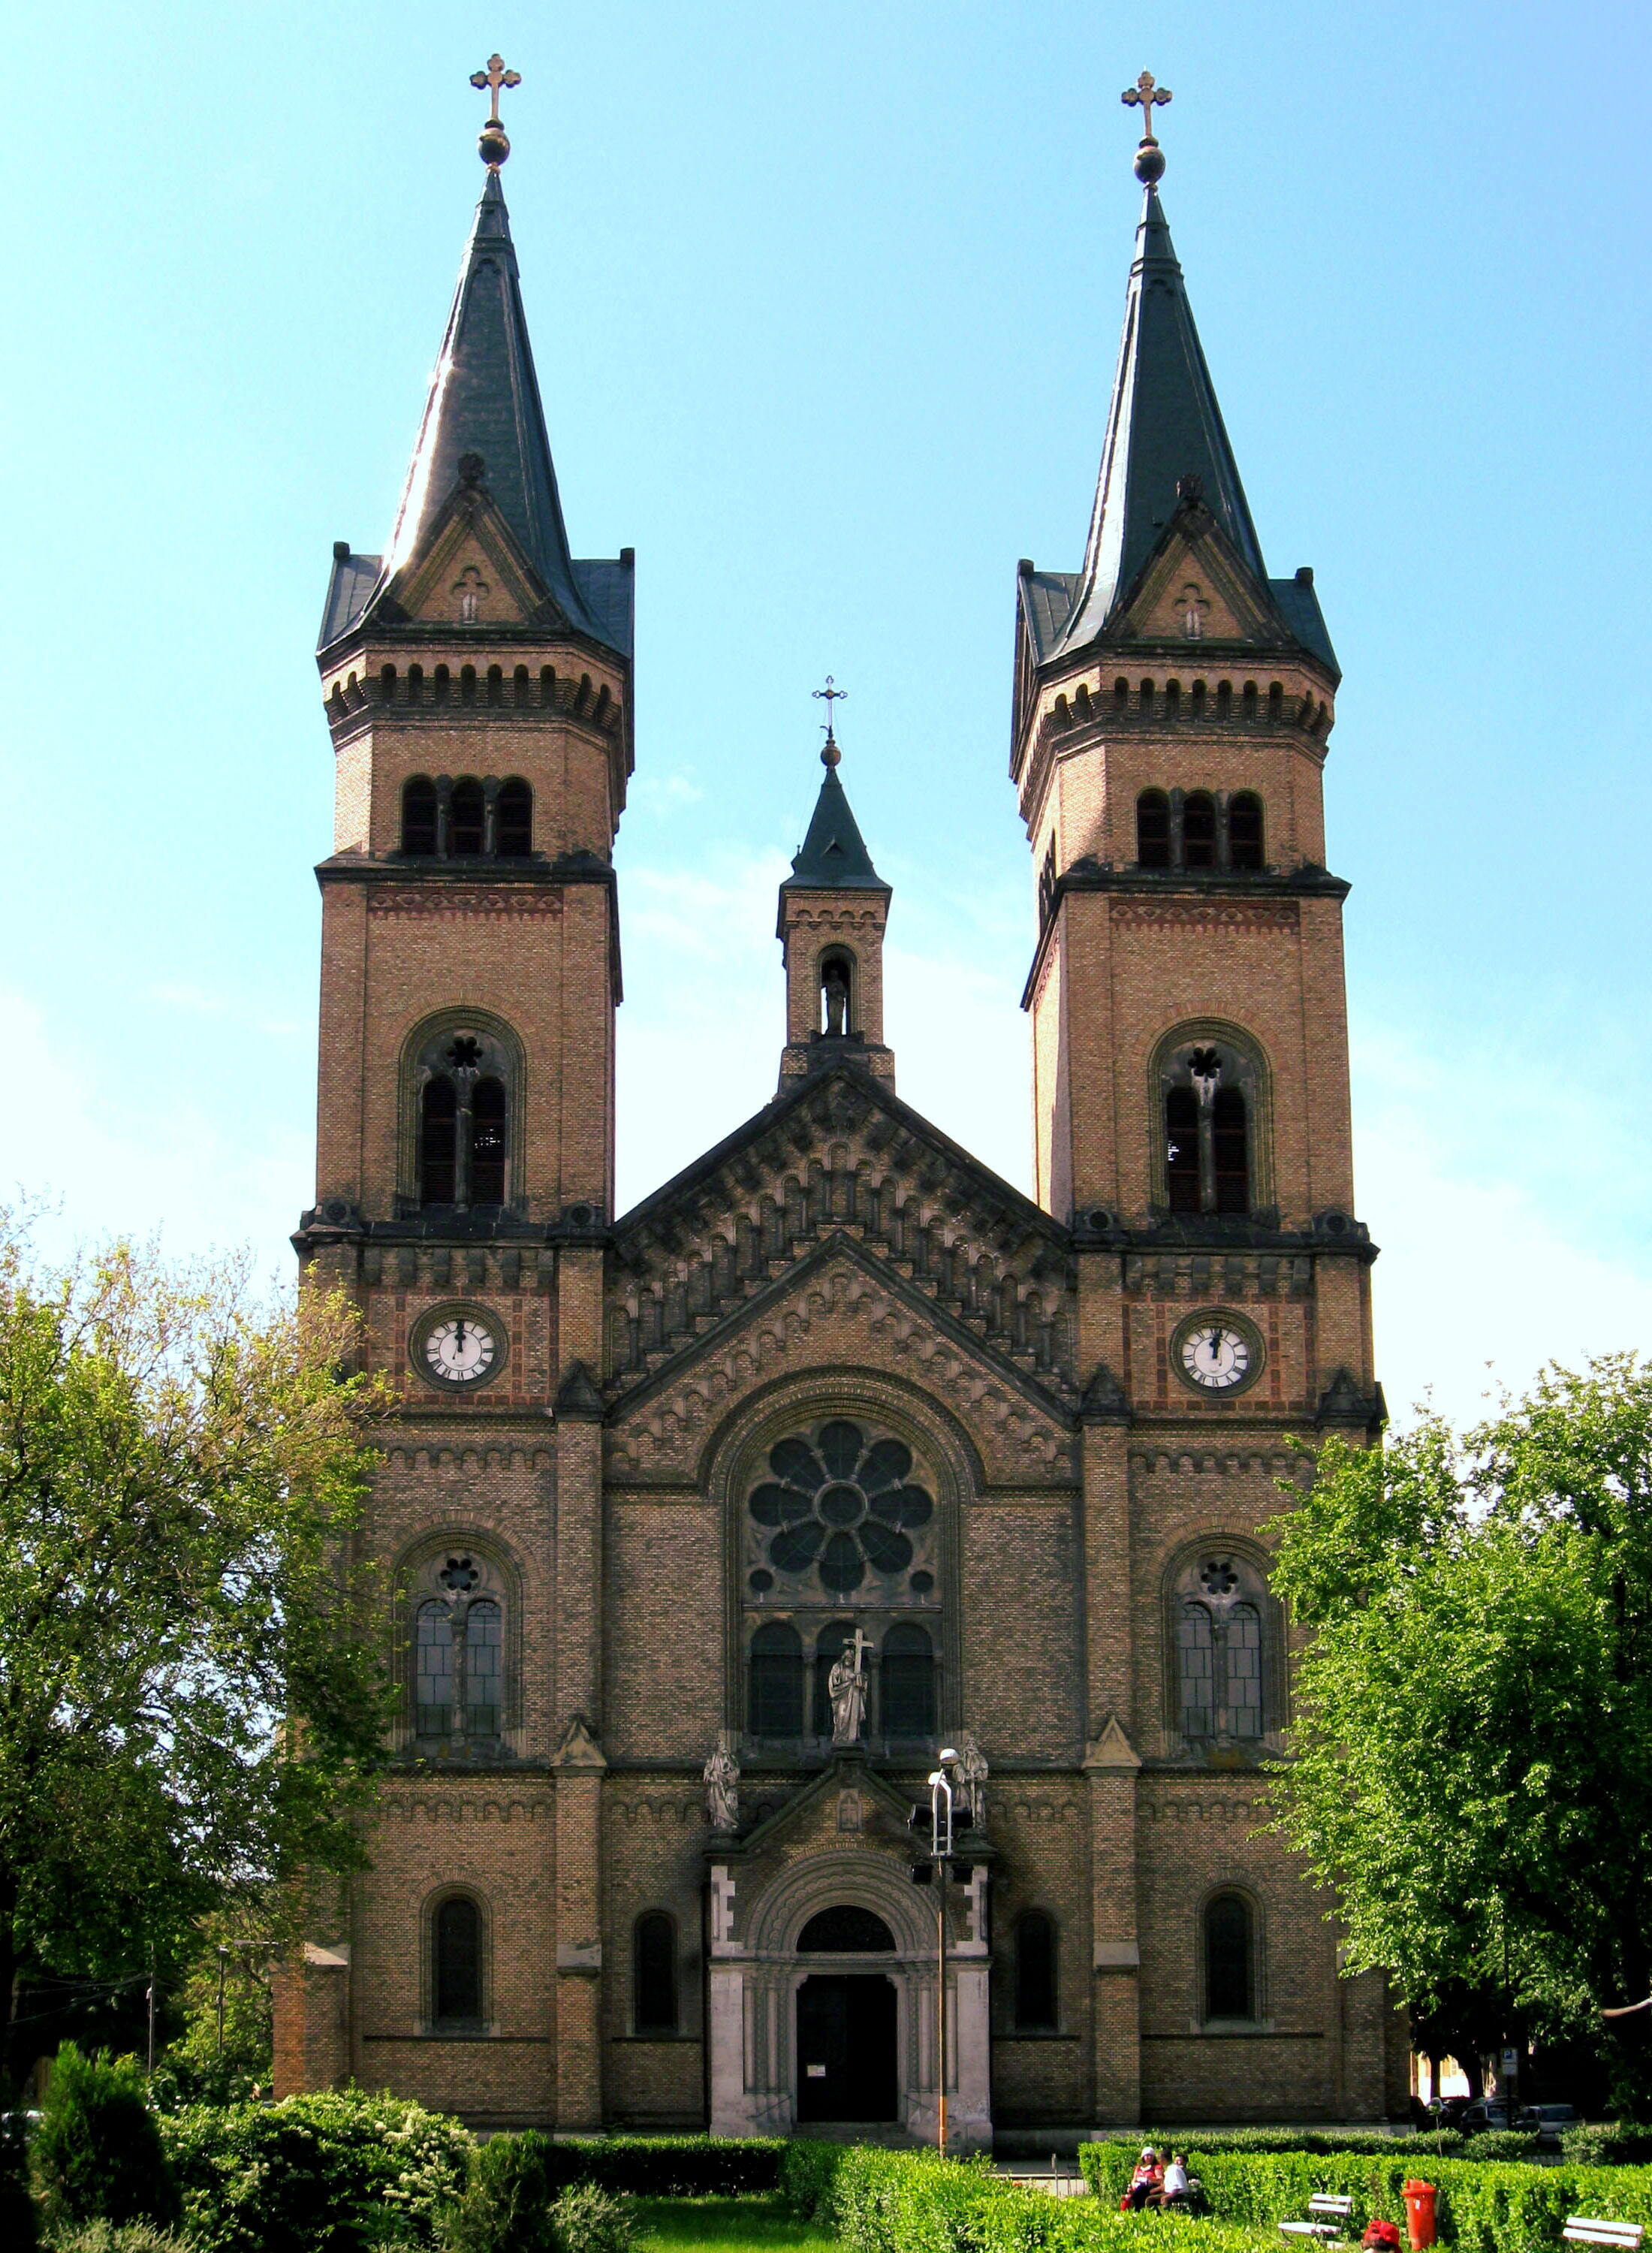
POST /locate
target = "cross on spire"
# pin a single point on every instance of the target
(829, 695)
(1147, 95)
(492, 145)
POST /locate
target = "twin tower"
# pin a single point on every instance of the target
(836, 1385)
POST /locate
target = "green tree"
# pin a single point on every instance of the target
(1471, 1745)
(97, 2153)
(191, 1691)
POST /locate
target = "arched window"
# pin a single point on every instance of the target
(433, 1676)
(1230, 1981)
(775, 1705)
(1199, 830)
(654, 1974)
(1229, 1151)
(515, 819)
(1152, 829)
(456, 1962)
(419, 815)
(464, 1077)
(483, 1667)
(1245, 830)
(1220, 1612)
(1211, 1094)
(828, 1647)
(1181, 1149)
(846, 1929)
(908, 1682)
(438, 1142)
(468, 816)
(487, 1142)
(1194, 1679)
(459, 1676)
(1035, 1973)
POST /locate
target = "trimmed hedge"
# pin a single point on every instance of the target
(1485, 2205)
(1428, 2143)
(670, 2167)
(331, 2173)
(1608, 2144)
(877, 2201)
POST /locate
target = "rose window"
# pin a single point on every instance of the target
(842, 1504)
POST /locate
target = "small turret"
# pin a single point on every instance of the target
(833, 908)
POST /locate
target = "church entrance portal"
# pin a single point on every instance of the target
(847, 2066)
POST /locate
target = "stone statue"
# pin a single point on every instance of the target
(834, 983)
(846, 1687)
(722, 1774)
(968, 1780)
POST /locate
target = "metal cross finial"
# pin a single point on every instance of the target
(1142, 95)
(493, 146)
(829, 695)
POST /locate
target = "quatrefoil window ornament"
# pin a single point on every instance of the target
(841, 1504)
(465, 1053)
(1217, 1577)
(458, 1576)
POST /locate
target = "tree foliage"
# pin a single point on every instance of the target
(191, 1691)
(1470, 1745)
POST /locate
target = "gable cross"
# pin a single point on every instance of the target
(1142, 95)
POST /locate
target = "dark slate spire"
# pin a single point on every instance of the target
(1163, 427)
(484, 399)
(833, 855)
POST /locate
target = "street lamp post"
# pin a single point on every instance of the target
(941, 1860)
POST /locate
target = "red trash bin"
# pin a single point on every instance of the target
(1419, 2214)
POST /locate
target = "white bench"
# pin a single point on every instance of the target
(1328, 2217)
(1621, 2236)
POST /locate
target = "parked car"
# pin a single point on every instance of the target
(1488, 2112)
(1551, 2121)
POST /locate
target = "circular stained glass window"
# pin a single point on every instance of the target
(840, 1504)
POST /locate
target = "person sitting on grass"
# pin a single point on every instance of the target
(1380, 2236)
(1174, 2191)
(1145, 2182)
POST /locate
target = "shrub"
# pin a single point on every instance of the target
(916, 2202)
(120, 2237)
(670, 2167)
(96, 2154)
(327, 2173)
(506, 2204)
(1427, 2143)
(585, 2218)
(808, 2178)
(1502, 2144)
(1608, 2144)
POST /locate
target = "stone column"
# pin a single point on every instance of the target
(1111, 1767)
(579, 1768)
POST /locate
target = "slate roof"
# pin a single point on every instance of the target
(833, 855)
(485, 399)
(1163, 425)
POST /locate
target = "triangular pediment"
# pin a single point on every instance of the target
(846, 1800)
(843, 1165)
(469, 569)
(1194, 588)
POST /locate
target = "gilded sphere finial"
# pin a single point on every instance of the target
(1150, 165)
(492, 147)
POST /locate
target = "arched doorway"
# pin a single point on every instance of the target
(848, 2061)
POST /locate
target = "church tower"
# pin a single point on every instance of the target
(476, 679)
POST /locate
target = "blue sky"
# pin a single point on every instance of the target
(825, 304)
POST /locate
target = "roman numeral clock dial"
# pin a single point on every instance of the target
(457, 1348)
(1217, 1353)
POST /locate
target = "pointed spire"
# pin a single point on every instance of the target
(1164, 434)
(485, 406)
(834, 856)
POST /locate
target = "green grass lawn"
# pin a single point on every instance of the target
(725, 2225)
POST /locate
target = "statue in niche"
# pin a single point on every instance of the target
(722, 1774)
(969, 1783)
(846, 1689)
(835, 985)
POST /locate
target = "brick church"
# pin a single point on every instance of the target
(836, 1391)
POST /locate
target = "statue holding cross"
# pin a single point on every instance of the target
(492, 146)
(846, 1689)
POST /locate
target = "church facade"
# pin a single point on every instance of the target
(712, 1526)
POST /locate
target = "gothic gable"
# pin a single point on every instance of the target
(844, 1159)
(469, 569)
(1194, 588)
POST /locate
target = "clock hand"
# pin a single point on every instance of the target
(458, 1335)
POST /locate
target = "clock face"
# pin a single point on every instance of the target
(461, 1348)
(1216, 1356)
